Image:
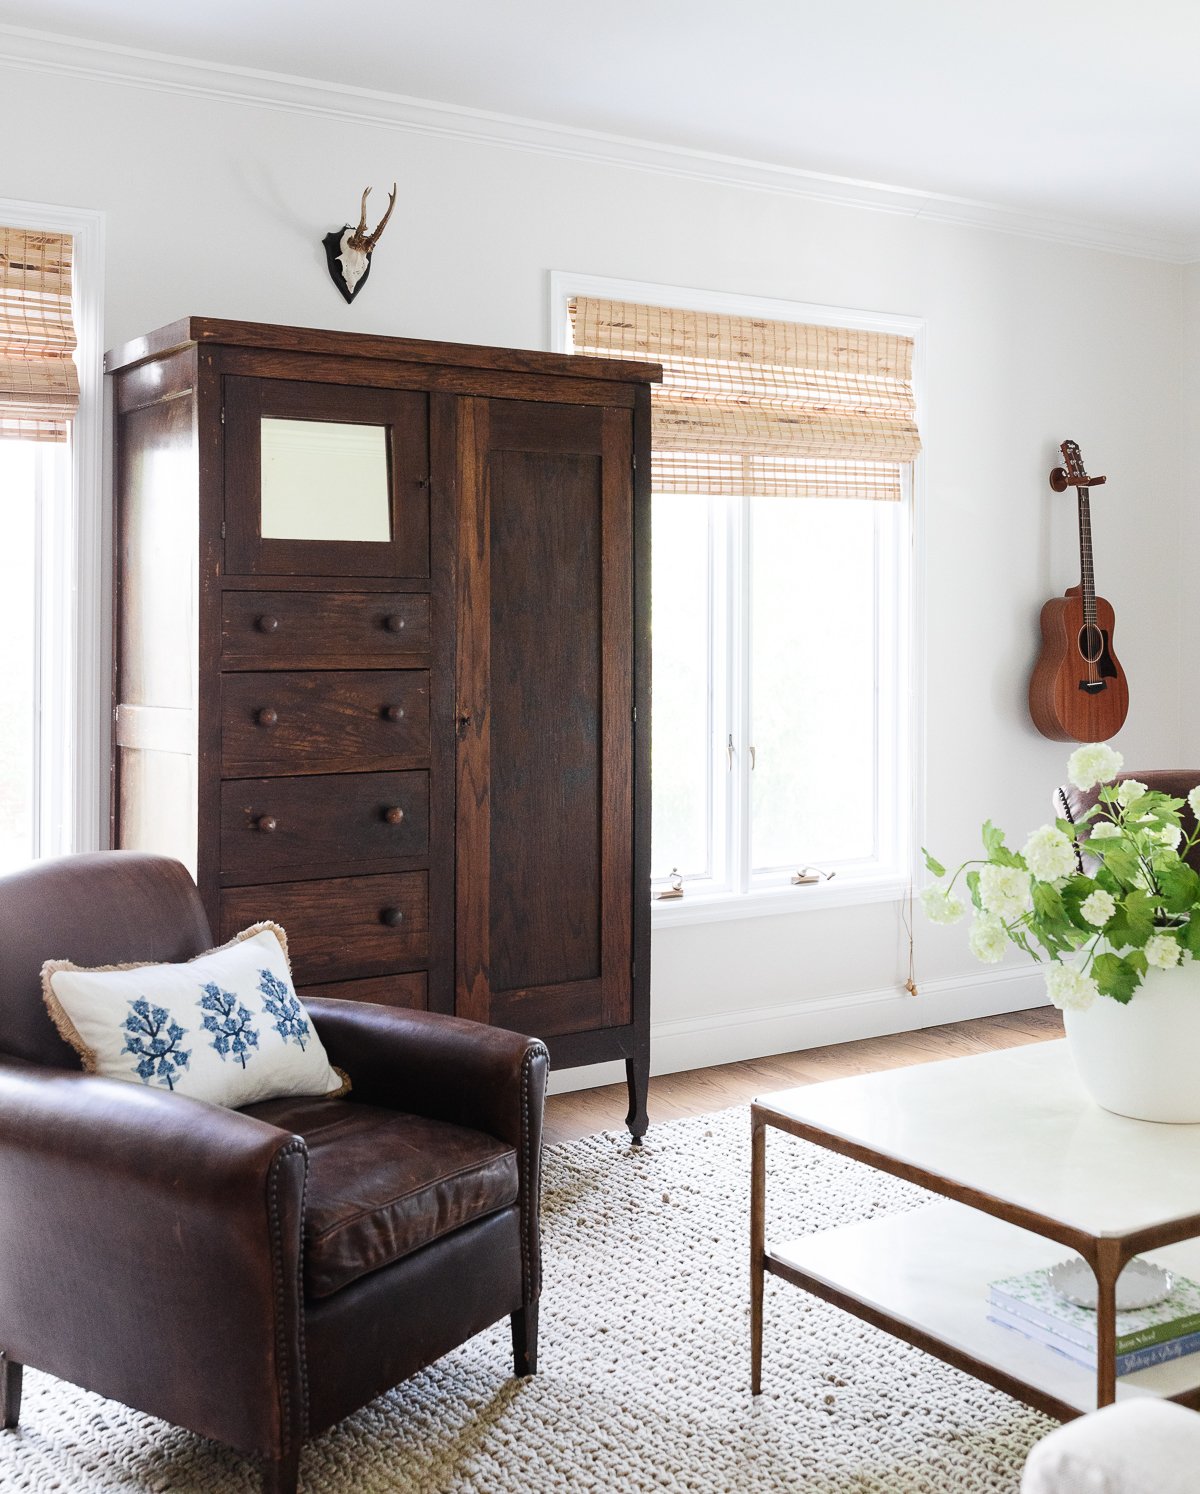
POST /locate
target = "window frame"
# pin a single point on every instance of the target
(744, 895)
(72, 635)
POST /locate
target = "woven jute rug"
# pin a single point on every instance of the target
(644, 1363)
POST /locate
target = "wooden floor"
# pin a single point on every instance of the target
(701, 1090)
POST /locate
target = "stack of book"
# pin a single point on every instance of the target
(1145, 1336)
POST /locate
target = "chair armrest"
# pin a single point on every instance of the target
(437, 1066)
(142, 1232)
(452, 1070)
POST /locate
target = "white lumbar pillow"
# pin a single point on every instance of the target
(226, 1027)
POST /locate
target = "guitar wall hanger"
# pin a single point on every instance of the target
(1078, 691)
(1061, 479)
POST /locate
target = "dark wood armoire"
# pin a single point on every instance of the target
(382, 666)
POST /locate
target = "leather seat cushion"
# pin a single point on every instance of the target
(382, 1183)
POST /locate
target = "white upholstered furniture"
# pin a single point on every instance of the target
(1141, 1446)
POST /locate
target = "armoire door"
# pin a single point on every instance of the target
(544, 719)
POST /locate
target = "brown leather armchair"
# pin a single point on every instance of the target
(1070, 803)
(252, 1275)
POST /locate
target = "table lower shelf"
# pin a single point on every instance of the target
(924, 1276)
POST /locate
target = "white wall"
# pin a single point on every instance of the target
(217, 208)
(1189, 530)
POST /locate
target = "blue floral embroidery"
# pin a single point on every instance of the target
(153, 1039)
(229, 1022)
(284, 1007)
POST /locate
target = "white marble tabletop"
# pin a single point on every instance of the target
(1018, 1125)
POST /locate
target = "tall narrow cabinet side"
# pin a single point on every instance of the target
(156, 660)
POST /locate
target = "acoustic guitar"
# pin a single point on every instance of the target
(1078, 691)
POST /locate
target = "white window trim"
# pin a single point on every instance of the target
(697, 907)
(88, 602)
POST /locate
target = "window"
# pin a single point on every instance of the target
(51, 675)
(781, 594)
(36, 810)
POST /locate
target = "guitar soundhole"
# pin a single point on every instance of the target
(1091, 644)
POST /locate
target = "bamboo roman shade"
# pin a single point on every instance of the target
(39, 385)
(758, 408)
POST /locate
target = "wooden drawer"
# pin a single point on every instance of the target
(410, 991)
(324, 720)
(276, 827)
(288, 629)
(340, 928)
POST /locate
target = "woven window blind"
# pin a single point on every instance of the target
(758, 408)
(39, 385)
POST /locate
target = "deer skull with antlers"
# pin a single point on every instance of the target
(348, 250)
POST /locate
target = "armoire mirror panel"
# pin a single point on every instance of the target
(324, 480)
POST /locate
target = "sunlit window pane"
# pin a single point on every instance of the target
(812, 676)
(682, 652)
(17, 659)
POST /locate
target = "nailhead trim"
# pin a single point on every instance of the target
(531, 1270)
(295, 1147)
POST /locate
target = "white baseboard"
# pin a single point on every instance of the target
(757, 1032)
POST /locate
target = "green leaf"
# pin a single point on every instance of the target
(1178, 883)
(993, 839)
(1048, 904)
(972, 881)
(1115, 977)
(1189, 935)
(1069, 827)
(1133, 922)
(935, 867)
(1119, 860)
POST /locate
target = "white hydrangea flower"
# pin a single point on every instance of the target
(1105, 830)
(1049, 854)
(1194, 801)
(987, 938)
(940, 906)
(1169, 836)
(1069, 988)
(1098, 908)
(1162, 951)
(1094, 762)
(1129, 791)
(1004, 891)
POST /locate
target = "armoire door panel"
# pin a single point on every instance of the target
(545, 690)
(544, 855)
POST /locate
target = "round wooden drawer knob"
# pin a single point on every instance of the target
(266, 822)
(393, 917)
(267, 624)
(268, 716)
(393, 816)
(394, 623)
(394, 713)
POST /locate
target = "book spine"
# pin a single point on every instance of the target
(1127, 1364)
(1140, 1338)
(1174, 1348)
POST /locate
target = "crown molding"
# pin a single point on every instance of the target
(43, 51)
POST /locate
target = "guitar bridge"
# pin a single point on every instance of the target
(1093, 687)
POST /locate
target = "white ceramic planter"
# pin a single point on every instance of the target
(1143, 1059)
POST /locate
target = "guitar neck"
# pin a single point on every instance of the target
(1087, 576)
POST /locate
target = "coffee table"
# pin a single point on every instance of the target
(1029, 1170)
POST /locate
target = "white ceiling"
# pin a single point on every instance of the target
(1084, 110)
